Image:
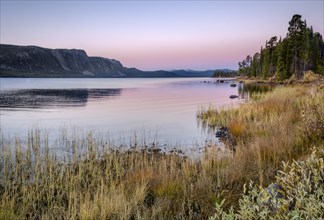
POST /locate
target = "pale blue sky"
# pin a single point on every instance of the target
(153, 35)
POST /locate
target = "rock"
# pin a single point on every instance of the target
(274, 192)
(2, 190)
(149, 199)
(240, 81)
(233, 96)
(154, 150)
(222, 132)
(221, 81)
(224, 135)
(233, 85)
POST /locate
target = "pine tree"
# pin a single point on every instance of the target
(271, 48)
(265, 63)
(281, 70)
(301, 50)
(317, 49)
(248, 61)
(306, 50)
(295, 31)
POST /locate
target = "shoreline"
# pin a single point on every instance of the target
(104, 183)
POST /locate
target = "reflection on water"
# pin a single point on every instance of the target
(243, 93)
(44, 98)
(160, 109)
(247, 91)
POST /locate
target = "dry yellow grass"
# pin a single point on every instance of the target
(279, 126)
(96, 181)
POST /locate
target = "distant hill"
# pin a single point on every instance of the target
(33, 61)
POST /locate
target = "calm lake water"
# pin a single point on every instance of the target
(162, 109)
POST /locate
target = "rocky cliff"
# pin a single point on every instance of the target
(37, 61)
(33, 61)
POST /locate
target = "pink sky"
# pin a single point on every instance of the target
(152, 35)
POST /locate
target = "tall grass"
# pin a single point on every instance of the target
(97, 180)
(281, 125)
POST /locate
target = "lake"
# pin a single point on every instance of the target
(161, 110)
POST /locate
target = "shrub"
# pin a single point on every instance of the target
(302, 187)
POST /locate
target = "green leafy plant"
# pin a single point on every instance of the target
(302, 185)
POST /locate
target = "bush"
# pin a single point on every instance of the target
(302, 190)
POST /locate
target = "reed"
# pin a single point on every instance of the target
(94, 178)
(281, 125)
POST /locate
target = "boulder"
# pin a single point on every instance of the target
(273, 194)
(225, 136)
(233, 96)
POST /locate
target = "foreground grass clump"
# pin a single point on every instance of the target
(301, 194)
(96, 181)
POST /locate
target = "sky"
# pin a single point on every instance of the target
(153, 35)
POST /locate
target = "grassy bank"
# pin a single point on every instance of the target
(101, 182)
(96, 181)
(278, 126)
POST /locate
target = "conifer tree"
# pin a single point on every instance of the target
(301, 50)
(271, 47)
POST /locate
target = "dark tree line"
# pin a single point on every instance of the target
(300, 51)
(225, 73)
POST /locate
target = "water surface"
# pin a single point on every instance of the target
(162, 108)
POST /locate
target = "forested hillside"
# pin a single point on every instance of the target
(300, 51)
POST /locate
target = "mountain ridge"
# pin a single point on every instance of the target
(34, 61)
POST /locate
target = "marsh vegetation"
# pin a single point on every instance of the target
(97, 181)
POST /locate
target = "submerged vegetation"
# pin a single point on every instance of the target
(97, 181)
